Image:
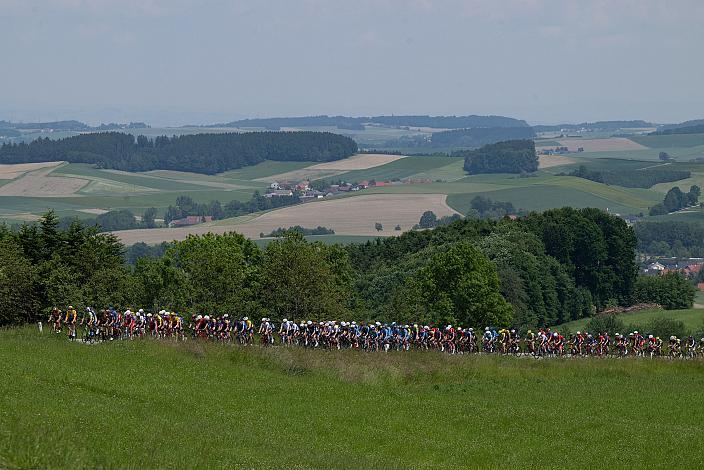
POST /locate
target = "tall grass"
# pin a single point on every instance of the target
(151, 403)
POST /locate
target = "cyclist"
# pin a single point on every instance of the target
(70, 320)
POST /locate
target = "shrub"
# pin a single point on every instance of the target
(609, 323)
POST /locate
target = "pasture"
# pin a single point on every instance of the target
(154, 404)
(693, 319)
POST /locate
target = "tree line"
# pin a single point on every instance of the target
(478, 136)
(645, 178)
(683, 239)
(347, 122)
(540, 270)
(200, 153)
(676, 200)
(513, 156)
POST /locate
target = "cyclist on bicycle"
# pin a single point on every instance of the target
(70, 320)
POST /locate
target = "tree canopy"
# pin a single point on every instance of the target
(513, 156)
(200, 153)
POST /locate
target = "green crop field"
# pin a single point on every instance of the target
(669, 141)
(681, 153)
(564, 191)
(150, 404)
(693, 319)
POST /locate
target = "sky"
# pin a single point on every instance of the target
(174, 62)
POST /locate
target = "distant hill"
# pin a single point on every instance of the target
(69, 126)
(594, 126)
(479, 136)
(345, 122)
(682, 125)
(200, 153)
(694, 129)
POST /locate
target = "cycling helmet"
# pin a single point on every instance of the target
(207, 317)
(650, 336)
(245, 318)
(310, 322)
(486, 329)
(471, 329)
(285, 320)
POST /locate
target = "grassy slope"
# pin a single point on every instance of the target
(692, 318)
(402, 168)
(669, 141)
(146, 404)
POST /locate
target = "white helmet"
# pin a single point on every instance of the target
(650, 336)
(207, 317)
(141, 310)
(285, 320)
(486, 329)
(226, 316)
(309, 322)
(149, 314)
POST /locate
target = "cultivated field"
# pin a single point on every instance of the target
(358, 162)
(39, 183)
(549, 161)
(148, 404)
(601, 145)
(329, 169)
(12, 171)
(347, 216)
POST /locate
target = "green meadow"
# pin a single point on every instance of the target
(150, 404)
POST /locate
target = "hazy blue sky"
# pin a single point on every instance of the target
(178, 61)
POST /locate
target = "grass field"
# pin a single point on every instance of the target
(192, 405)
(399, 169)
(669, 141)
(693, 319)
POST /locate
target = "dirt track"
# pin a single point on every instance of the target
(347, 216)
